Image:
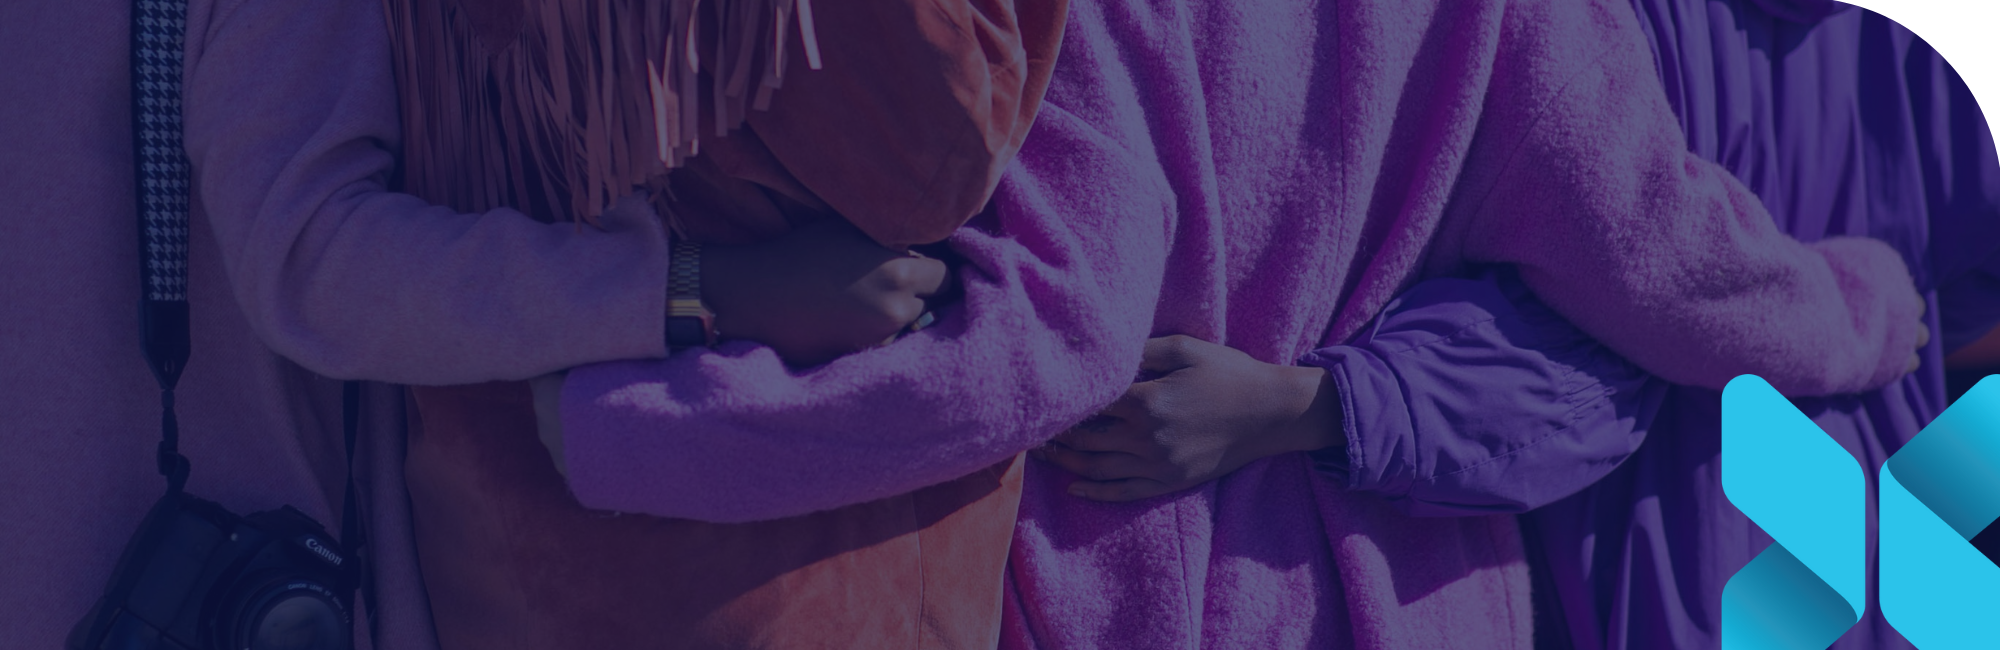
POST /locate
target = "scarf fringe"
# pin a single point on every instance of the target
(567, 107)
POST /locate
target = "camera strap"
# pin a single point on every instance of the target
(162, 182)
(162, 173)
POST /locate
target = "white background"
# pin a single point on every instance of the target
(1966, 32)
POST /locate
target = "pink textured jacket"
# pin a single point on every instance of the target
(1265, 175)
(302, 265)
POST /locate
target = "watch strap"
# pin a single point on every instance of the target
(684, 270)
(689, 321)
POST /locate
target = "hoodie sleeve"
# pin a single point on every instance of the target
(291, 128)
(1470, 397)
(1581, 177)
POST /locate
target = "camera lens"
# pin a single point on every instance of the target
(293, 615)
(299, 620)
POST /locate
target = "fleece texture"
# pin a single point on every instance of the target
(1266, 177)
(1845, 124)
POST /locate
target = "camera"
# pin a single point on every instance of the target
(198, 577)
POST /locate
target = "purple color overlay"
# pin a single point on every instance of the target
(1843, 123)
(1250, 177)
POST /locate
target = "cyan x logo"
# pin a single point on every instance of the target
(1808, 493)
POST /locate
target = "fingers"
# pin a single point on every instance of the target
(1107, 476)
(921, 276)
(1132, 406)
(1131, 489)
(1126, 426)
(1120, 438)
(946, 289)
(1923, 339)
(1098, 433)
(902, 284)
(900, 310)
(1095, 466)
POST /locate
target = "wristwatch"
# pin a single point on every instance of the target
(689, 321)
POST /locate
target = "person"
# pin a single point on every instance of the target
(766, 125)
(1188, 176)
(304, 270)
(1640, 560)
(1845, 124)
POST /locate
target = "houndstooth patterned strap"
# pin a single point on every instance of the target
(684, 269)
(162, 165)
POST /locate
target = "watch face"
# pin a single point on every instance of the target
(686, 331)
(689, 323)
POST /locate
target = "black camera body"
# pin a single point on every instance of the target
(198, 577)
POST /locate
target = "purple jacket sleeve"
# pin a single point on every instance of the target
(1469, 396)
(1058, 298)
(291, 128)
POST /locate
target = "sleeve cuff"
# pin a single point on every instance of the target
(1376, 422)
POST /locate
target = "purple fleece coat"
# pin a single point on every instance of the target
(1248, 176)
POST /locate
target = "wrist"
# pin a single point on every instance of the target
(690, 324)
(701, 278)
(1317, 424)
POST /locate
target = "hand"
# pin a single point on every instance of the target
(1211, 410)
(817, 293)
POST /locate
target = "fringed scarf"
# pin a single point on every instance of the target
(560, 107)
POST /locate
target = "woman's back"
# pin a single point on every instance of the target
(1843, 123)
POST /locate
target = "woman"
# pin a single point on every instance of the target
(304, 269)
(1640, 560)
(1845, 124)
(1187, 176)
(751, 125)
